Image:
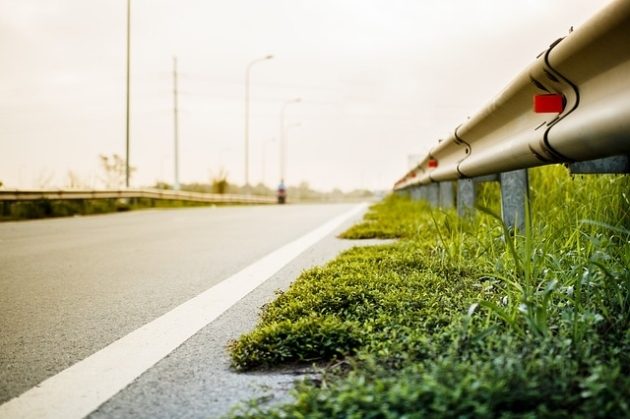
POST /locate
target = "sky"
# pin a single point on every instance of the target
(379, 81)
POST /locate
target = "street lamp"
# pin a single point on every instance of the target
(175, 128)
(283, 135)
(127, 95)
(247, 76)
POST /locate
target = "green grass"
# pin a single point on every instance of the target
(459, 318)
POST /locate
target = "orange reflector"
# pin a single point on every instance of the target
(433, 163)
(553, 103)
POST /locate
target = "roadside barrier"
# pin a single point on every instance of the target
(65, 194)
(571, 106)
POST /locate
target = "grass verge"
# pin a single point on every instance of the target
(29, 210)
(460, 319)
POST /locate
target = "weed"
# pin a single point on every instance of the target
(461, 318)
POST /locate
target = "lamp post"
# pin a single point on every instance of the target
(247, 77)
(283, 135)
(127, 96)
(175, 128)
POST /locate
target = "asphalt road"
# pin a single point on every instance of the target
(70, 287)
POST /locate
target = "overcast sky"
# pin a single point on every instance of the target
(379, 80)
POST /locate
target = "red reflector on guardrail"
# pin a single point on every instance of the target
(433, 163)
(553, 103)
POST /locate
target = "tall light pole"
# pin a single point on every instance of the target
(175, 127)
(247, 77)
(127, 99)
(283, 135)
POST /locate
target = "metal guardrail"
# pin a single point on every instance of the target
(65, 194)
(589, 70)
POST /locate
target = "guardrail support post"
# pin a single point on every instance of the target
(465, 197)
(416, 193)
(432, 193)
(447, 200)
(514, 197)
(424, 192)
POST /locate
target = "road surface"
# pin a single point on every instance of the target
(71, 287)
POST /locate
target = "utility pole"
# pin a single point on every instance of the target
(127, 107)
(247, 79)
(175, 126)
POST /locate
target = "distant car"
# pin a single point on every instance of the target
(281, 193)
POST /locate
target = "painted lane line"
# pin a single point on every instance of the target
(80, 389)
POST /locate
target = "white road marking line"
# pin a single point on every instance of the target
(80, 389)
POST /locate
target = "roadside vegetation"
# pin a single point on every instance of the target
(28, 210)
(113, 176)
(459, 318)
(302, 192)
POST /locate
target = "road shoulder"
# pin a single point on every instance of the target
(195, 380)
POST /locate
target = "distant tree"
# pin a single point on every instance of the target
(73, 181)
(162, 185)
(220, 182)
(44, 178)
(114, 170)
(196, 187)
(262, 190)
(361, 193)
(303, 191)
